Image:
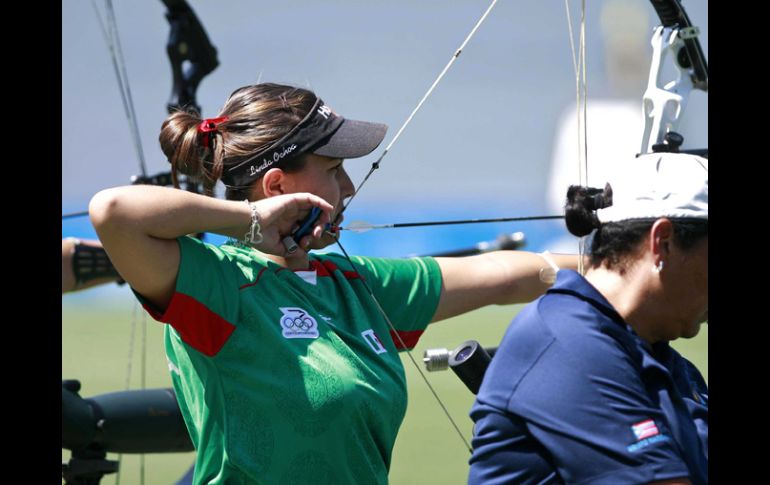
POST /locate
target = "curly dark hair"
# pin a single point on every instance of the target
(614, 242)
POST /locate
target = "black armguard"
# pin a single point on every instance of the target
(90, 263)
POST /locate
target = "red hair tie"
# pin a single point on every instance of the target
(209, 125)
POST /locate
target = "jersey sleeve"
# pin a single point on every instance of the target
(408, 290)
(568, 399)
(206, 301)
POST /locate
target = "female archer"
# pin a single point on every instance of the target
(285, 363)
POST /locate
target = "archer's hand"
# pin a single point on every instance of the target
(279, 216)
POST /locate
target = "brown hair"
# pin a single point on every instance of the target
(257, 116)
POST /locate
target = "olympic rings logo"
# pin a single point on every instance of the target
(298, 323)
(302, 323)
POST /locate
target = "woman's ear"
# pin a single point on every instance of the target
(661, 238)
(273, 182)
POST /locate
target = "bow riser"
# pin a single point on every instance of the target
(663, 105)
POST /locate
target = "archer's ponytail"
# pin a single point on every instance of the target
(190, 152)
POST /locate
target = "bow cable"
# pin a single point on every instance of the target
(112, 40)
(581, 93)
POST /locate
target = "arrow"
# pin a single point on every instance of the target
(363, 226)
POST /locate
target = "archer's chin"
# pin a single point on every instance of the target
(325, 241)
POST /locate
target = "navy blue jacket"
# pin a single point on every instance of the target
(573, 395)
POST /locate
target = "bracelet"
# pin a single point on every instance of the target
(548, 275)
(254, 236)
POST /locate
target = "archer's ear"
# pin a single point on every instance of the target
(273, 182)
(661, 237)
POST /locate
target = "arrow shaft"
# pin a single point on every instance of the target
(449, 223)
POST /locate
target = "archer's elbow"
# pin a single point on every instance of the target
(104, 209)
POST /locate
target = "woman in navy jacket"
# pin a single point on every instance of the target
(584, 387)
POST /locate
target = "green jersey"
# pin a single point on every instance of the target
(288, 377)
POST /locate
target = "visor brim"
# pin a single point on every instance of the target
(352, 139)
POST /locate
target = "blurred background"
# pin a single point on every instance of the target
(497, 138)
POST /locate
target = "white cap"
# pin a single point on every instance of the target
(654, 185)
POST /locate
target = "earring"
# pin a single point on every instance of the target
(658, 267)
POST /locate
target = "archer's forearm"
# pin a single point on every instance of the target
(166, 213)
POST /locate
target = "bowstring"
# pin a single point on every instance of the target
(581, 103)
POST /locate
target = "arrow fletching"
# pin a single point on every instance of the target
(358, 226)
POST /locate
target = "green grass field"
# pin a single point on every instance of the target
(95, 349)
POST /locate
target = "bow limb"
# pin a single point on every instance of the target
(192, 56)
(191, 53)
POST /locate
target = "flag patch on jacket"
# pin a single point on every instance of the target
(644, 429)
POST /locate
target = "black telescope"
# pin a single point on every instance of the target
(141, 421)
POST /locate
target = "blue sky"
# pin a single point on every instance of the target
(481, 147)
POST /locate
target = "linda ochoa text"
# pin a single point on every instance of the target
(276, 157)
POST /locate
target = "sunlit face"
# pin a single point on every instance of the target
(686, 288)
(326, 178)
